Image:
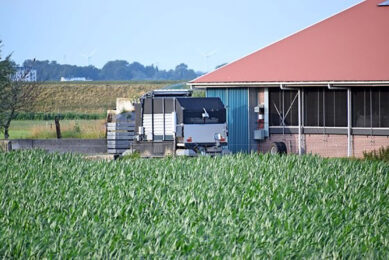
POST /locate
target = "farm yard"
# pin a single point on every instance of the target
(117, 146)
(233, 206)
(83, 105)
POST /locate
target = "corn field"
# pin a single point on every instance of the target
(238, 206)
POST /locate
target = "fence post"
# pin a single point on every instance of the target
(5, 145)
(57, 127)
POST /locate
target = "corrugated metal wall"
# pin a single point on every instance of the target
(237, 104)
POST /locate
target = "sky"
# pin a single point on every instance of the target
(201, 34)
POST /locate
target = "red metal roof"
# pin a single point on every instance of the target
(350, 46)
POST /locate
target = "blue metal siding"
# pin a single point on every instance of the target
(238, 119)
(218, 92)
(236, 102)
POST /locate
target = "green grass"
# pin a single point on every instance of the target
(241, 206)
(41, 129)
(22, 129)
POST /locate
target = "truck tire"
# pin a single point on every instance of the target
(278, 148)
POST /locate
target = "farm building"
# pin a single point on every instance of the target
(323, 90)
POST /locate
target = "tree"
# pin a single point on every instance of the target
(15, 94)
(221, 65)
(116, 70)
(183, 73)
(112, 70)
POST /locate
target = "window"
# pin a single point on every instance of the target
(283, 107)
(325, 108)
(370, 107)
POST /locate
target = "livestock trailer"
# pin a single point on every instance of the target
(172, 122)
(168, 122)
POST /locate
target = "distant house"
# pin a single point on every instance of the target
(26, 75)
(75, 79)
(323, 90)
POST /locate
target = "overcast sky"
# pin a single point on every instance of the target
(202, 34)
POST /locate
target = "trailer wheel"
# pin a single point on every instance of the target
(278, 148)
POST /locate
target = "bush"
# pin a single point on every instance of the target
(381, 155)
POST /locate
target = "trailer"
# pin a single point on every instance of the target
(172, 122)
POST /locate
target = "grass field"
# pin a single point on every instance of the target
(88, 97)
(39, 129)
(240, 206)
(78, 100)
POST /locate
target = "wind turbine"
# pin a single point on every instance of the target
(89, 56)
(206, 56)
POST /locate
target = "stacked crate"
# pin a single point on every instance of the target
(120, 136)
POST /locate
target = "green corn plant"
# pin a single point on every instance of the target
(238, 206)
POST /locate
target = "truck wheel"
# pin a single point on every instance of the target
(278, 148)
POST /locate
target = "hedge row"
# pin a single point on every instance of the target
(62, 116)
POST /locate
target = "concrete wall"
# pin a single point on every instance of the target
(84, 146)
(326, 145)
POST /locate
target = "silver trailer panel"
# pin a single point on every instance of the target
(204, 133)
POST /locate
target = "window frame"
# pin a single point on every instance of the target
(369, 107)
(323, 102)
(289, 107)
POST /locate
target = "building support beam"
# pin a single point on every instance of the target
(248, 122)
(266, 103)
(349, 124)
(302, 114)
(299, 121)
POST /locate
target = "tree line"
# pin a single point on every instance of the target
(112, 70)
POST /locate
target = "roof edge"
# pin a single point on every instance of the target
(288, 83)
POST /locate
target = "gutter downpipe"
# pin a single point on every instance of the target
(299, 120)
(349, 115)
(248, 121)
